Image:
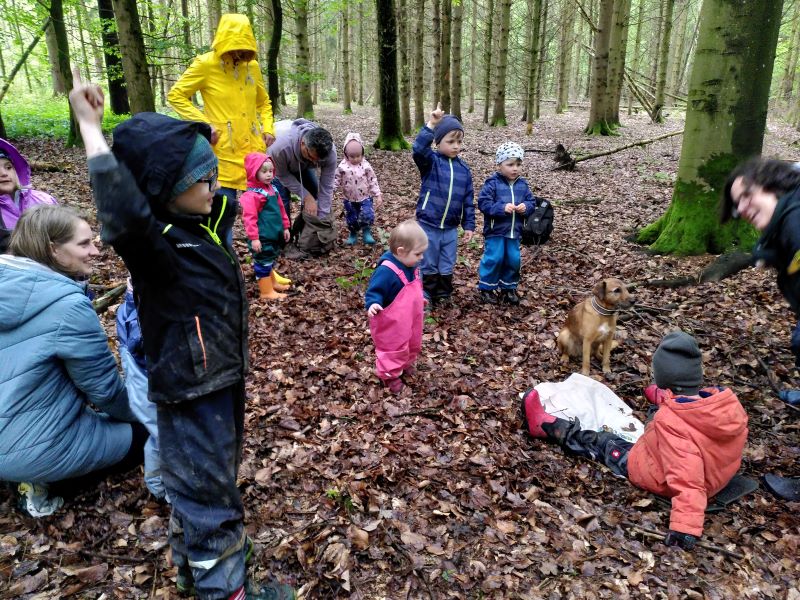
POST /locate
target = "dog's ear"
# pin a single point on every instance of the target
(599, 290)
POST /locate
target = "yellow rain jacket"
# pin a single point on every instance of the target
(235, 101)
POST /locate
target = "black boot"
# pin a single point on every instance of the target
(445, 287)
(787, 488)
(430, 285)
(488, 297)
(511, 297)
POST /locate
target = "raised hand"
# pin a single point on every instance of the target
(87, 100)
(436, 116)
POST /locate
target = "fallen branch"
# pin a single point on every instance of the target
(615, 150)
(771, 377)
(48, 167)
(103, 302)
(665, 283)
(540, 150)
(653, 534)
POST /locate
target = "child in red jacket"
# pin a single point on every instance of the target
(689, 451)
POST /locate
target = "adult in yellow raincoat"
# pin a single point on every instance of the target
(235, 103)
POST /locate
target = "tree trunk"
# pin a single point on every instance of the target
(678, 47)
(787, 83)
(214, 13)
(305, 107)
(535, 15)
(134, 60)
(390, 136)
(57, 79)
(273, 87)
(436, 41)
(655, 47)
(663, 59)
(455, 66)
(472, 54)
(405, 76)
(725, 121)
(487, 58)
(346, 58)
(537, 99)
(444, 81)
(117, 92)
(598, 125)
(18, 35)
(361, 53)
(616, 62)
(499, 105)
(566, 41)
(419, 67)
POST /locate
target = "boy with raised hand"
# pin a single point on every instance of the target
(446, 200)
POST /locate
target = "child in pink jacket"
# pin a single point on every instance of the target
(265, 222)
(356, 179)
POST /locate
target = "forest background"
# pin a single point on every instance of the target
(351, 493)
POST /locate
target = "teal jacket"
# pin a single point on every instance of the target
(54, 361)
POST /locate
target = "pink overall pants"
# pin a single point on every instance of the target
(397, 329)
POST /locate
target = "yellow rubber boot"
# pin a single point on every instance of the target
(278, 278)
(267, 291)
(278, 287)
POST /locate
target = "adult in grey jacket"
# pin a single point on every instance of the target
(54, 361)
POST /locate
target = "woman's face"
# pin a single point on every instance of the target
(753, 203)
(75, 256)
(8, 177)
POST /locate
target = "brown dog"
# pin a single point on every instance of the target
(591, 325)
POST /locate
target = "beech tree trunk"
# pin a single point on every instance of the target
(537, 99)
(436, 40)
(455, 66)
(444, 80)
(305, 107)
(117, 92)
(419, 67)
(725, 121)
(134, 59)
(598, 113)
(535, 15)
(499, 105)
(405, 76)
(57, 79)
(273, 86)
(472, 46)
(63, 62)
(616, 58)
(390, 136)
(566, 41)
(487, 58)
(346, 100)
(663, 60)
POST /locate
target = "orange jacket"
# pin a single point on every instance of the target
(689, 452)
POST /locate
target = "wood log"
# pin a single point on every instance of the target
(615, 150)
(106, 300)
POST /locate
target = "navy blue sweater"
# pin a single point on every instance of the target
(384, 285)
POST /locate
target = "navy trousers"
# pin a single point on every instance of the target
(201, 448)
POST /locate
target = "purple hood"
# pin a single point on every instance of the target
(21, 165)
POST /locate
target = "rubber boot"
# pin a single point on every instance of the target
(278, 278)
(534, 414)
(267, 291)
(368, 239)
(276, 285)
(787, 488)
(352, 239)
(445, 290)
(430, 286)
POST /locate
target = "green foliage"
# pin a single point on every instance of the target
(343, 499)
(35, 115)
(330, 95)
(361, 276)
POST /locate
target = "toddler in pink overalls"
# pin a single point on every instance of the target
(395, 305)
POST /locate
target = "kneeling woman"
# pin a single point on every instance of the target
(54, 362)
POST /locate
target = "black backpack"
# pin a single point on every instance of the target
(537, 227)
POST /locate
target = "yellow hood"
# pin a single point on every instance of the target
(234, 33)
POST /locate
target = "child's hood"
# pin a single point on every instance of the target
(21, 165)
(252, 163)
(717, 414)
(352, 137)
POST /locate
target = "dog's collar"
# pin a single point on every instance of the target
(601, 310)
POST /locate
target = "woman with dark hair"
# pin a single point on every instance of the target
(54, 362)
(766, 193)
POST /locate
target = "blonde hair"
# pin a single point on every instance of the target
(408, 235)
(39, 229)
(14, 176)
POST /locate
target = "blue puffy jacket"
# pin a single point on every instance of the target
(54, 360)
(496, 192)
(446, 197)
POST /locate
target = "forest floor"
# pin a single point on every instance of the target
(353, 493)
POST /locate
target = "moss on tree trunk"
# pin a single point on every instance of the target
(725, 121)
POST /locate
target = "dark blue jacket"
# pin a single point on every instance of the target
(446, 197)
(187, 281)
(384, 285)
(496, 192)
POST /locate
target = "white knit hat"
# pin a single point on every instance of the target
(509, 150)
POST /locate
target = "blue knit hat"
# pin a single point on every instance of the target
(198, 162)
(446, 125)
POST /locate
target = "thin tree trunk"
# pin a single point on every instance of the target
(566, 42)
(678, 46)
(725, 122)
(787, 83)
(537, 104)
(118, 93)
(436, 41)
(79, 26)
(535, 13)
(214, 13)
(273, 52)
(62, 53)
(390, 136)
(656, 47)
(447, 26)
(499, 105)
(346, 58)
(405, 76)
(56, 78)
(658, 108)
(455, 67)
(419, 67)
(617, 54)
(134, 60)
(305, 107)
(487, 58)
(472, 46)
(361, 53)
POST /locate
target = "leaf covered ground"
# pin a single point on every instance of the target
(353, 493)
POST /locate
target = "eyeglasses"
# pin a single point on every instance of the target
(211, 181)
